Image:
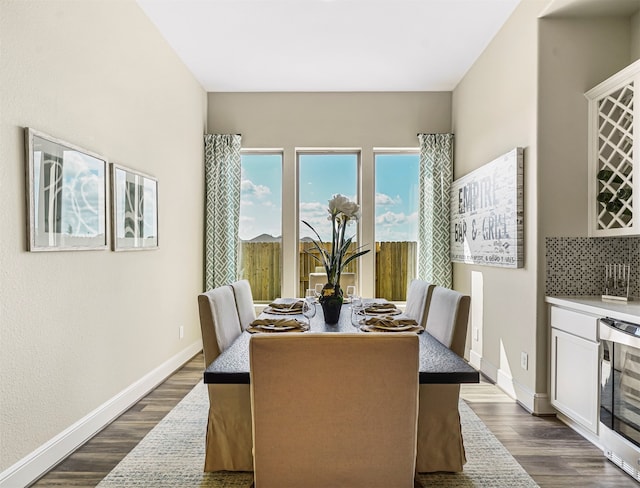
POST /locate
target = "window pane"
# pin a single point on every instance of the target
(396, 227)
(260, 229)
(320, 177)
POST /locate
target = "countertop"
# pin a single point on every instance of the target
(629, 311)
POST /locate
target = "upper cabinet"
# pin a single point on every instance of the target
(614, 207)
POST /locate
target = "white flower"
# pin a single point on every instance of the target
(340, 204)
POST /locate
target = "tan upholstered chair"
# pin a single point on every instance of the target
(346, 279)
(334, 410)
(218, 320)
(448, 317)
(440, 446)
(418, 299)
(228, 434)
(244, 302)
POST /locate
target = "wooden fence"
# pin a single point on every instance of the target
(396, 265)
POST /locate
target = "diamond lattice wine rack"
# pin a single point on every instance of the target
(612, 138)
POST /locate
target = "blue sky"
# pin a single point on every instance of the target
(322, 176)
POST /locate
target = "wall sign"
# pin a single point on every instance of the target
(487, 214)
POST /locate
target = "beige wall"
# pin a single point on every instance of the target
(495, 110)
(635, 36)
(575, 55)
(79, 327)
(328, 120)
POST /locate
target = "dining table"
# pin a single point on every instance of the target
(440, 445)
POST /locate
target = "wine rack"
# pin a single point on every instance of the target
(613, 189)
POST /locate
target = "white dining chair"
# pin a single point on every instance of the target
(219, 321)
(448, 318)
(418, 300)
(227, 438)
(244, 302)
(334, 410)
(440, 446)
(346, 279)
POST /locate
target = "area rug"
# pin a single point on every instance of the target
(171, 455)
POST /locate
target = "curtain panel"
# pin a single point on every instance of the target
(436, 175)
(222, 208)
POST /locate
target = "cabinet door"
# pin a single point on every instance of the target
(574, 378)
(613, 105)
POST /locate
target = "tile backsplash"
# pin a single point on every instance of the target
(575, 265)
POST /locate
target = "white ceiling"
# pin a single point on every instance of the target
(328, 45)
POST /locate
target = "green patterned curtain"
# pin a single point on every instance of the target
(222, 208)
(436, 175)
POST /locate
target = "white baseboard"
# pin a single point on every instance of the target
(534, 403)
(37, 463)
(505, 382)
(475, 360)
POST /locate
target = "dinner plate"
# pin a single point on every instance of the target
(276, 327)
(391, 311)
(280, 311)
(399, 328)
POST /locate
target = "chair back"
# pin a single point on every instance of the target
(346, 279)
(244, 303)
(418, 299)
(448, 318)
(334, 409)
(218, 320)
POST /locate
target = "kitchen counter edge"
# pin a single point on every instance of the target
(628, 311)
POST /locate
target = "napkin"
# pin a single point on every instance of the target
(387, 324)
(277, 325)
(279, 307)
(381, 308)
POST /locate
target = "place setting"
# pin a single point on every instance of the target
(277, 325)
(285, 307)
(306, 308)
(381, 317)
(380, 308)
(389, 324)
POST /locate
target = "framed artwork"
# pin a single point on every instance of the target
(66, 195)
(134, 198)
(487, 213)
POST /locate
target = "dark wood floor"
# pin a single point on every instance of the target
(553, 454)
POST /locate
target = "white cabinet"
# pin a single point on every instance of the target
(614, 167)
(575, 366)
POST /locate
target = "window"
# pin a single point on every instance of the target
(396, 222)
(274, 258)
(260, 230)
(320, 176)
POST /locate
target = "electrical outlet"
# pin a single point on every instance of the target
(524, 360)
(181, 332)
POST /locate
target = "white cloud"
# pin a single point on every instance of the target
(384, 199)
(248, 187)
(391, 218)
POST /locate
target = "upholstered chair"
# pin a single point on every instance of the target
(334, 410)
(440, 446)
(448, 317)
(346, 279)
(228, 434)
(219, 321)
(418, 299)
(244, 303)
